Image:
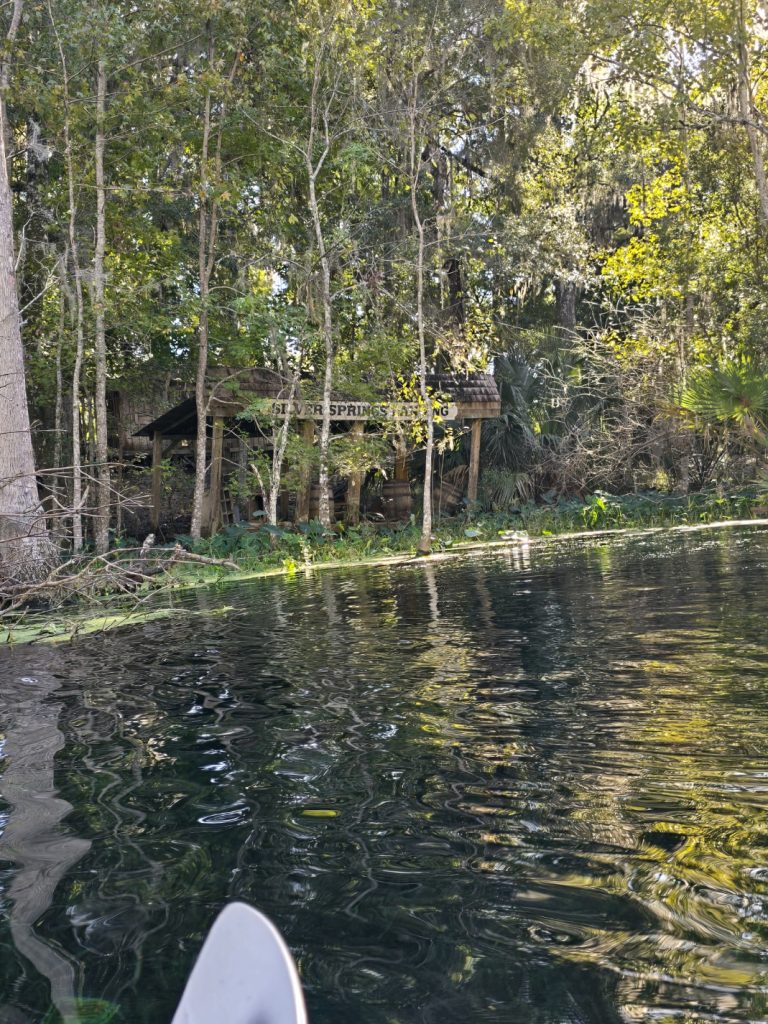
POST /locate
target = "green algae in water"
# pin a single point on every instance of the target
(43, 630)
(86, 1011)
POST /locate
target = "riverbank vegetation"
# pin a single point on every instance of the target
(301, 547)
(99, 594)
(355, 196)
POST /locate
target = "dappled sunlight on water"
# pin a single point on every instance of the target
(530, 786)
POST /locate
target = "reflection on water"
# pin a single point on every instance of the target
(31, 840)
(514, 788)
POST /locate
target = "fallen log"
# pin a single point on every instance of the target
(180, 553)
(93, 577)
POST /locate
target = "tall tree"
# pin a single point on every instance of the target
(101, 526)
(325, 73)
(71, 263)
(210, 178)
(25, 548)
(415, 150)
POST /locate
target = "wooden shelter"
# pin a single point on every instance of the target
(468, 399)
(231, 391)
(138, 399)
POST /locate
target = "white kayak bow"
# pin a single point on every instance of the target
(244, 974)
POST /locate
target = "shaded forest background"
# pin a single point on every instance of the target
(581, 183)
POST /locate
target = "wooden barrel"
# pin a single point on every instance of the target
(314, 502)
(446, 498)
(396, 498)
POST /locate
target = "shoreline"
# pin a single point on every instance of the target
(47, 630)
(467, 547)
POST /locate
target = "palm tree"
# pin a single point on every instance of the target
(734, 393)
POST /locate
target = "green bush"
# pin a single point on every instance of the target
(308, 543)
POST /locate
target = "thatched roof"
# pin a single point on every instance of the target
(231, 390)
(476, 394)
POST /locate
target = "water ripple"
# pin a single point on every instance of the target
(521, 788)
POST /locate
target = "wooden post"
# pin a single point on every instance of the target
(474, 460)
(157, 478)
(401, 460)
(217, 455)
(242, 479)
(307, 431)
(354, 484)
(119, 504)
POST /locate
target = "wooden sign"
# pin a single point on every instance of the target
(351, 410)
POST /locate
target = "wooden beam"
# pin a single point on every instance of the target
(157, 478)
(474, 460)
(307, 432)
(217, 455)
(225, 406)
(170, 447)
(354, 485)
(486, 410)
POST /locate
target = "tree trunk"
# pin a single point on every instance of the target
(77, 455)
(101, 522)
(32, 273)
(77, 470)
(748, 114)
(566, 295)
(324, 510)
(425, 541)
(313, 169)
(201, 404)
(58, 414)
(208, 220)
(201, 399)
(25, 549)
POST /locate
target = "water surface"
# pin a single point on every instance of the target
(526, 787)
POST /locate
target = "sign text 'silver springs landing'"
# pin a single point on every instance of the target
(351, 410)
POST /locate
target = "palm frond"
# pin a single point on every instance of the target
(504, 489)
(735, 393)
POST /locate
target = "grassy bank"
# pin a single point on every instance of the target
(289, 550)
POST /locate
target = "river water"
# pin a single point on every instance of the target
(523, 787)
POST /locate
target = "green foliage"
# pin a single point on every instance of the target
(735, 393)
(598, 237)
(357, 453)
(295, 548)
(505, 489)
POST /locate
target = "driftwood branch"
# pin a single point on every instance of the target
(182, 555)
(118, 573)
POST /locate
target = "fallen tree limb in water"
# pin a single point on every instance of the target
(121, 572)
(188, 556)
